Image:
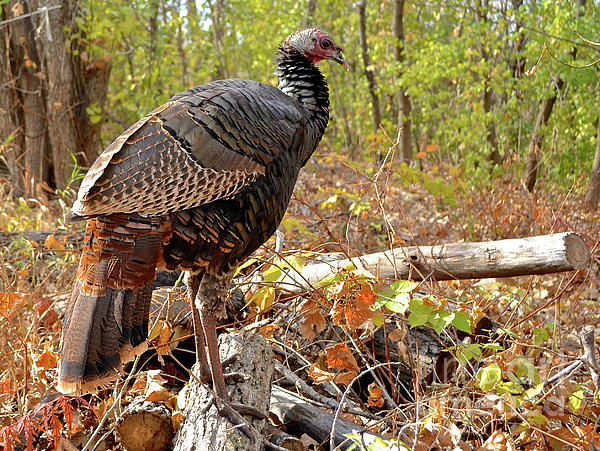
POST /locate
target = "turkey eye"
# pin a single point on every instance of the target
(326, 43)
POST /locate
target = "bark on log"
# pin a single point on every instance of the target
(299, 417)
(39, 237)
(209, 431)
(146, 426)
(505, 258)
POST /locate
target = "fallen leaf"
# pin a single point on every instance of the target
(313, 320)
(340, 357)
(345, 377)
(318, 375)
(375, 395)
(47, 360)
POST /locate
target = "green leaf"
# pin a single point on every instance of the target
(272, 274)
(465, 353)
(488, 377)
(576, 399)
(378, 319)
(439, 320)
(398, 303)
(419, 312)
(461, 322)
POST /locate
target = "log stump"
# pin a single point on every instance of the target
(209, 431)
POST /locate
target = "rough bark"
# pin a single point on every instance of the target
(11, 133)
(47, 87)
(217, 16)
(300, 417)
(25, 64)
(404, 100)
(491, 136)
(537, 137)
(593, 192)
(362, 34)
(210, 431)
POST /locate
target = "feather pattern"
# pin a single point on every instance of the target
(198, 184)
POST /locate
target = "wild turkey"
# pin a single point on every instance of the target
(198, 184)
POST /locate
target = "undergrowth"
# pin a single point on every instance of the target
(490, 392)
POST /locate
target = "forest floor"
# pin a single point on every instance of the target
(494, 398)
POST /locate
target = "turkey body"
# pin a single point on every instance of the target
(198, 184)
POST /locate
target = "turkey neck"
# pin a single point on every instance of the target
(300, 79)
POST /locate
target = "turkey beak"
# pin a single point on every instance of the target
(339, 58)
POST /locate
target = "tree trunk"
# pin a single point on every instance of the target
(11, 134)
(535, 143)
(311, 5)
(47, 86)
(217, 15)
(404, 100)
(25, 65)
(362, 34)
(544, 254)
(209, 430)
(593, 193)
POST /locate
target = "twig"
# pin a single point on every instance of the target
(589, 353)
(315, 396)
(339, 409)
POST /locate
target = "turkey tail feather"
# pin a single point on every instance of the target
(106, 323)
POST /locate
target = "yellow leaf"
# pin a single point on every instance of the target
(264, 297)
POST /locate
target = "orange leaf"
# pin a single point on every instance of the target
(354, 309)
(375, 395)
(47, 360)
(52, 243)
(318, 375)
(421, 155)
(339, 356)
(10, 303)
(345, 377)
(431, 147)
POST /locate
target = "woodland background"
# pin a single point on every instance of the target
(457, 121)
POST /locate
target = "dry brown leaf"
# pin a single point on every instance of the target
(340, 357)
(10, 303)
(47, 360)
(353, 308)
(155, 390)
(498, 441)
(313, 320)
(345, 377)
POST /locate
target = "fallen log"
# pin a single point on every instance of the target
(542, 254)
(38, 238)
(299, 417)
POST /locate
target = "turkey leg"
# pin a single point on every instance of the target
(210, 301)
(193, 285)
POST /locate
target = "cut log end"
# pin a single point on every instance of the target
(577, 251)
(146, 426)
